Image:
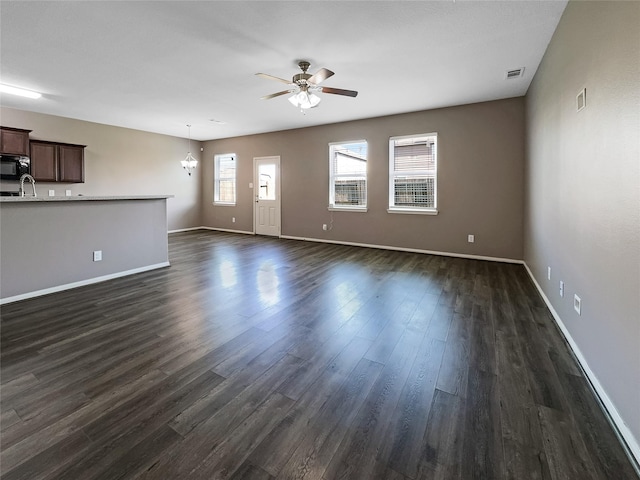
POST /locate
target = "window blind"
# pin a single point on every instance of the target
(412, 172)
(348, 174)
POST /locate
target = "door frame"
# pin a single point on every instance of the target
(256, 189)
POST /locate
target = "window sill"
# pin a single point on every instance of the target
(414, 211)
(221, 204)
(347, 209)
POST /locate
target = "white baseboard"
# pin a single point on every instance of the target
(191, 229)
(185, 229)
(244, 232)
(620, 427)
(402, 249)
(68, 286)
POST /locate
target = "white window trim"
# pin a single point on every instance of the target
(216, 182)
(411, 210)
(347, 208)
(352, 208)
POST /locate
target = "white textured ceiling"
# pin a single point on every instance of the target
(158, 66)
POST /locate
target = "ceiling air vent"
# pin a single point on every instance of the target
(515, 73)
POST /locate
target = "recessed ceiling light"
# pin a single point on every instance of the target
(19, 91)
(218, 122)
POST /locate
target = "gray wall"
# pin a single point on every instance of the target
(582, 214)
(119, 161)
(480, 183)
(48, 244)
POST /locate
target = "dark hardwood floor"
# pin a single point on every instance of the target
(259, 358)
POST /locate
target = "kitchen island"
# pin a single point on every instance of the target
(48, 244)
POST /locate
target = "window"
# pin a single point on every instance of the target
(224, 184)
(348, 175)
(413, 174)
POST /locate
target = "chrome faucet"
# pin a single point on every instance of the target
(24, 177)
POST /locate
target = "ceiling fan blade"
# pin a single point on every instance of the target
(271, 77)
(320, 76)
(340, 91)
(273, 95)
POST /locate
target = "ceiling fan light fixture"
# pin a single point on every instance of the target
(304, 100)
(304, 87)
(314, 100)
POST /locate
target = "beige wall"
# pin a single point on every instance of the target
(49, 244)
(480, 183)
(583, 191)
(120, 161)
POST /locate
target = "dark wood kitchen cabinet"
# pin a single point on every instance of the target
(14, 141)
(57, 162)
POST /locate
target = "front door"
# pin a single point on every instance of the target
(266, 214)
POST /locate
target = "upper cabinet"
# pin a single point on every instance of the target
(57, 162)
(14, 141)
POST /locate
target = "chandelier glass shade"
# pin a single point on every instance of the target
(189, 163)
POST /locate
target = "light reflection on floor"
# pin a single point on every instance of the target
(228, 274)
(268, 281)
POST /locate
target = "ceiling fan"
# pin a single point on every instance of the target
(304, 87)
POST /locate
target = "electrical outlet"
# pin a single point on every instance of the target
(561, 288)
(577, 304)
(52, 193)
(471, 238)
(581, 100)
(97, 255)
(548, 273)
(324, 226)
(67, 193)
(233, 219)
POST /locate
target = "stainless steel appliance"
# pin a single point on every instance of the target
(12, 167)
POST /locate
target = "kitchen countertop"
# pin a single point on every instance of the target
(81, 198)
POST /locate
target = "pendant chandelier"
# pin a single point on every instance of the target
(189, 163)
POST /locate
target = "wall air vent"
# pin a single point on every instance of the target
(515, 73)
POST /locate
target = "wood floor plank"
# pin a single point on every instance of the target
(8, 418)
(141, 455)
(598, 438)
(366, 435)
(269, 364)
(48, 436)
(264, 358)
(54, 458)
(403, 447)
(441, 455)
(248, 471)
(229, 455)
(522, 439)
(276, 449)
(454, 368)
(324, 434)
(482, 448)
(565, 450)
(201, 441)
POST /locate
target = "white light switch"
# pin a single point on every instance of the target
(52, 193)
(250, 184)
